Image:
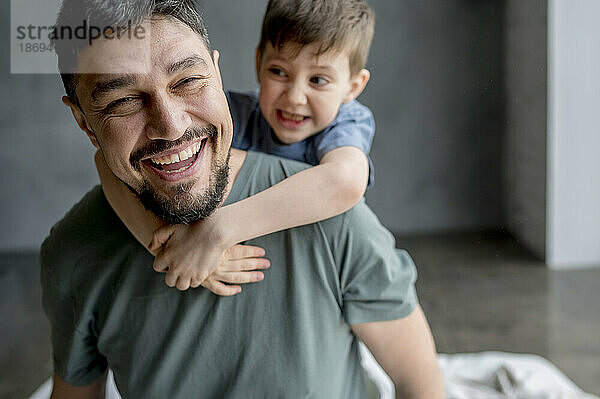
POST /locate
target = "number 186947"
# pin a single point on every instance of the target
(35, 47)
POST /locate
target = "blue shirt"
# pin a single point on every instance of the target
(353, 126)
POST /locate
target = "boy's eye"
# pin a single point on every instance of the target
(277, 72)
(319, 80)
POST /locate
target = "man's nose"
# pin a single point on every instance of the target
(168, 119)
(296, 94)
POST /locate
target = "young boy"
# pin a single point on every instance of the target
(310, 67)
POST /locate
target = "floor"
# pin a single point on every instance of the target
(479, 291)
(484, 292)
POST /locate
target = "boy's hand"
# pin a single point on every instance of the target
(240, 265)
(189, 254)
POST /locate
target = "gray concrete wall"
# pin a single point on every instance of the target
(525, 137)
(437, 96)
(436, 92)
(45, 161)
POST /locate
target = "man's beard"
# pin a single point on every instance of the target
(183, 207)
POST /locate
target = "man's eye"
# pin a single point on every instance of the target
(121, 102)
(319, 80)
(187, 81)
(277, 72)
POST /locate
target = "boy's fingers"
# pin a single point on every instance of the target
(159, 266)
(244, 251)
(195, 283)
(241, 277)
(183, 283)
(219, 288)
(239, 265)
(161, 236)
(170, 279)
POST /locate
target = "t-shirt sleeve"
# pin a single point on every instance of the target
(76, 357)
(354, 126)
(377, 280)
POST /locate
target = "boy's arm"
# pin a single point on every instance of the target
(236, 265)
(140, 222)
(314, 194)
(406, 351)
(317, 193)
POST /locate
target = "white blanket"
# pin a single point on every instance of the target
(499, 375)
(484, 375)
(490, 375)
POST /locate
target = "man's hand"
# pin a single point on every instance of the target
(193, 255)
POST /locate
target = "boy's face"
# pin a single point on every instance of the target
(300, 96)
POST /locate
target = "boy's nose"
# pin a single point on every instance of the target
(168, 119)
(296, 95)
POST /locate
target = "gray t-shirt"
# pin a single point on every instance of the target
(288, 336)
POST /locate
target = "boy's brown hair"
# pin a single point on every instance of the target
(337, 25)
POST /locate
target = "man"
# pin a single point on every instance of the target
(293, 335)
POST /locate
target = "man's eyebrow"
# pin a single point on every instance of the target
(187, 62)
(101, 88)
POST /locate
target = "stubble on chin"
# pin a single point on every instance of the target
(183, 206)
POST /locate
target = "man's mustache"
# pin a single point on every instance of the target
(155, 147)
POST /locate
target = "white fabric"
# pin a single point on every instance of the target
(490, 375)
(44, 391)
(500, 375)
(381, 380)
(483, 375)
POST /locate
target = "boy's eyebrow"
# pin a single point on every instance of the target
(103, 87)
(186, 63)
(327, 68)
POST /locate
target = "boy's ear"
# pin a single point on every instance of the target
(257, 60)
(81, 120)
(358, 82)
(216, 55)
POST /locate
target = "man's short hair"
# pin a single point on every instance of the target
(116, 14)
(338, 25)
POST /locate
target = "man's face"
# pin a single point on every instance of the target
(160, 117)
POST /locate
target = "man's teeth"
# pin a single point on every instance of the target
(291, 116)
(181, 156)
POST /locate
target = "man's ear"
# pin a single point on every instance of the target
(257, 60)
(81, 120)
(358, 83)
(216, 55)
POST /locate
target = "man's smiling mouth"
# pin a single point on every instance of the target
(179, 161)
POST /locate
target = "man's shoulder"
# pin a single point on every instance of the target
(261, 171)
(87, 227)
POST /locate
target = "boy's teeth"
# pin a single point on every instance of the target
(181, 156)
(294, 117)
